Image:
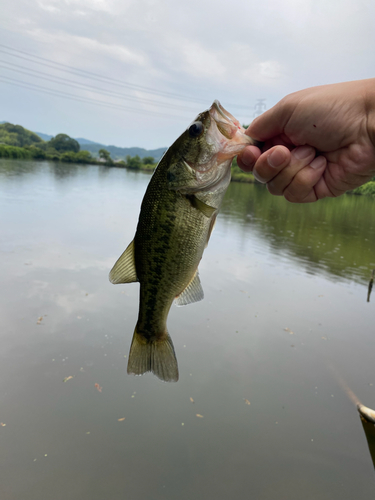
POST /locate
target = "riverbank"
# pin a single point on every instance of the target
(84, 157)
(80, 157)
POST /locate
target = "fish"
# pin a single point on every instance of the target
(177, 216)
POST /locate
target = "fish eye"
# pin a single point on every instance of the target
(196, 129)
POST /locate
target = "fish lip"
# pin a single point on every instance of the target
(223, 112)
(227, 124)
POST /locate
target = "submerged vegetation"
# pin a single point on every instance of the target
(16, 142)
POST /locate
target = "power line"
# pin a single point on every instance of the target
(83, 86)
(39, 88)
(89, 74)
(104, 79)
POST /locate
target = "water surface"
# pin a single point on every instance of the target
(284, 317)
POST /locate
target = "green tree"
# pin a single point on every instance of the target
(62, 143)
(15, 135)
(106, 155)
(13, 152)
(36, 153)
(84, 157)
(133, 162)
(148, 160)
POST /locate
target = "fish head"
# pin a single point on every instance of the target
(202, 156)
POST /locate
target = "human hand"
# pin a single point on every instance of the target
(318, 142)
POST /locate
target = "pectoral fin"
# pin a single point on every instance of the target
(200, 205)
(192, 293)
(124, 269)
(211, 228)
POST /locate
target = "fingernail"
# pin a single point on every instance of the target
(302, 152)
(276, 158)
(258, 177)
(318, 162)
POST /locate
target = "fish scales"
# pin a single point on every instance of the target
(177, 216)
(166, 254)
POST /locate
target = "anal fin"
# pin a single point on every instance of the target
(192, 293)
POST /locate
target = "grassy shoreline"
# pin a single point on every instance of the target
(85, 158)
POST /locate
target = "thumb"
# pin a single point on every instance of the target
(271, 123)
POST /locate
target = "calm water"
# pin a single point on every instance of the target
(284, 318)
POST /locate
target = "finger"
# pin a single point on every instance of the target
(300, 157)
(271, 122)
(270, 163)
(302, 189)
(325, 188)
(246, 160)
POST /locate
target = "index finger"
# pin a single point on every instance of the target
(272, 122)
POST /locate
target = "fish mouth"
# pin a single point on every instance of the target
(227, 124)
(216, 106)
(232, 135)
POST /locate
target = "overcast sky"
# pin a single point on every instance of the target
(137, 55)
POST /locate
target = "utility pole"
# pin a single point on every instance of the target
(259, 107)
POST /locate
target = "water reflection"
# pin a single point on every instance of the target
(63, 170)
(335, 237)
(275, 314)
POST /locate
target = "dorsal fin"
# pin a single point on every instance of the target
(124, 270)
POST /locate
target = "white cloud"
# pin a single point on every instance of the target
(236, 52)
(81, 5)
(49, 6)
(270, 69)
(81, 45)
(200, 62)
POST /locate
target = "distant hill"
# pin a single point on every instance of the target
(117, 153)
(82, 141)
(17, 135)
(121, 153)
(45, 137)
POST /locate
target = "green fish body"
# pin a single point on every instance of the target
(177, 216)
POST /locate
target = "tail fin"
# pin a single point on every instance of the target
(156, 356)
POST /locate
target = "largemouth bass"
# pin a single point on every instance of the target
(177, 216)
